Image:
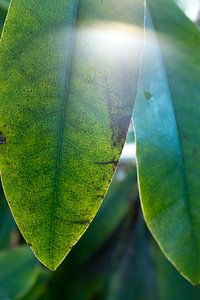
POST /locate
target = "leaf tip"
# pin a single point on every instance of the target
(51, 262)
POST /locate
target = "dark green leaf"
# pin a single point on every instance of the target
(68, 79)
(167, 136)
(18, 272)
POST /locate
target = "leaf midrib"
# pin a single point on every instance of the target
(61, 132)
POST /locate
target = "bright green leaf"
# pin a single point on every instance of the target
(19, 270)
(168, 136)
(68, 79)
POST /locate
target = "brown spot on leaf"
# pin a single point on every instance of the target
(148, 95)
(82, 222)
(109, 162)
(119, 114)
(2, 138)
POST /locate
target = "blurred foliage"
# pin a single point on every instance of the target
(171, 285)
(19, 270)
(3, 12)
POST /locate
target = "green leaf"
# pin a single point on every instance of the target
(19, 271)
(168, 136)
(68, 79)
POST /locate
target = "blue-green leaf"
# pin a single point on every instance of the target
(167, 128)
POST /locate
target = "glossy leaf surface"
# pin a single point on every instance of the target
(167, 118)
(68, 79)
